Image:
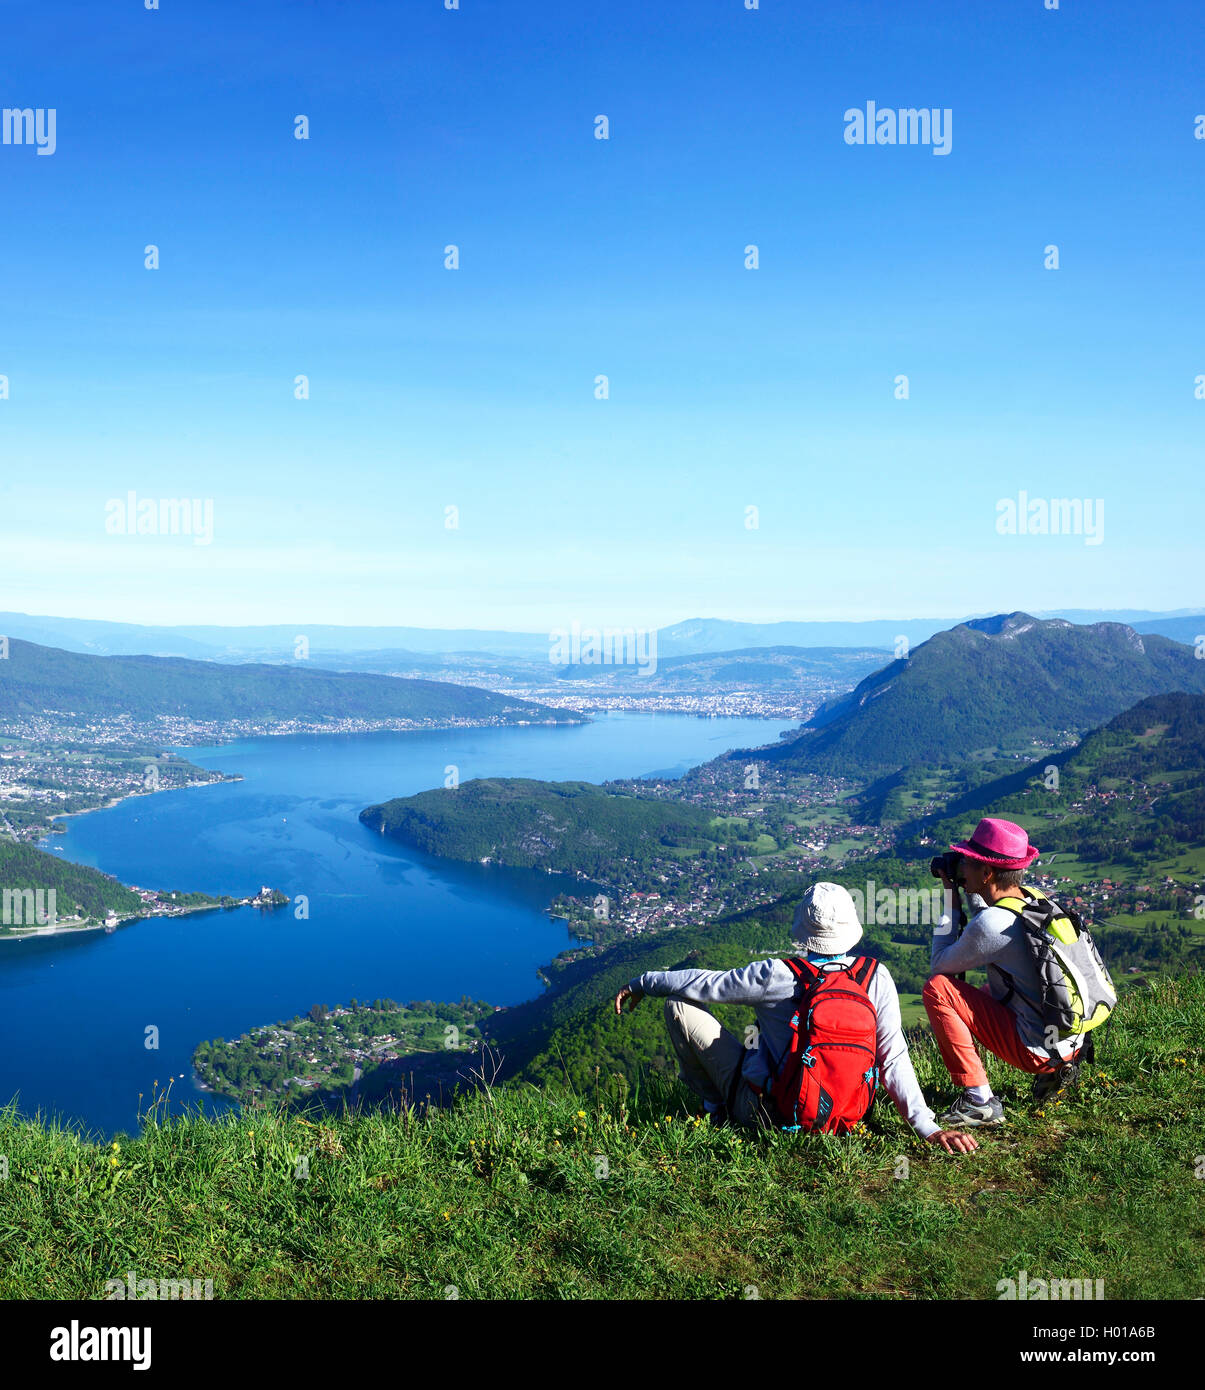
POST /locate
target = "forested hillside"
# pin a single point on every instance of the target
(994, 683)
(574, 826)
(1130, 792)
(36, 681)
(75, 885)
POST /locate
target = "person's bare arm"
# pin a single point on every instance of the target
(630, 994)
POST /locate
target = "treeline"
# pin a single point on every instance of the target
(1159, 744)
(571, 826)
(36, 678)
(77, 888)
(321, 1047)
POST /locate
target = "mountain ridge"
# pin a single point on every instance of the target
(1008, 679)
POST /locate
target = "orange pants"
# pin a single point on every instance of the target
(960, 1015)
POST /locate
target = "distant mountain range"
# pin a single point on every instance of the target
(753, 668)
(36, 679)
(992, 683)
(380, 648)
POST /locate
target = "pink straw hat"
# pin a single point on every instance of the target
(999, 843)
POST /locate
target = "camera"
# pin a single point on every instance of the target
(951, 862)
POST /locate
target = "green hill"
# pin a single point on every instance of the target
(1130, 791)
(36, 679)
(760, 667)
(573, 826)
(76, 886)
(617, 1192)
(992, 684)
(1130, 801)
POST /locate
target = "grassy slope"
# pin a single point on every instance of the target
(498, 1195)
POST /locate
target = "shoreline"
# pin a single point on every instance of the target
(224, 740)
(25, 935)
(128, 796)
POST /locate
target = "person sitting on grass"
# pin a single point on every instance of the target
(1005, 1015)
(733, 1080)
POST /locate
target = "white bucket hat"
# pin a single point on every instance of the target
(826, 920)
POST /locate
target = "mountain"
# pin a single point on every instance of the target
(1190, 630)
(572, 826)
(382, 648)
(992, 683)
(1128, 793)
(698, 635)
(36, 679)
(747, 667)
(270, 642)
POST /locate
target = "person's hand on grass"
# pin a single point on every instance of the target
(953, 1141)
(627, 992)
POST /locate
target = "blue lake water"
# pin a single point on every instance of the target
(384, 921)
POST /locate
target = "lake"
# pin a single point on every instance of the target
(384, 921)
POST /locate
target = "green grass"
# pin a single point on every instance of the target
(912, 1011)
(501, 1195)
(839, 849)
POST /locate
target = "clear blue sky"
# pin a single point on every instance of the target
(475, 388)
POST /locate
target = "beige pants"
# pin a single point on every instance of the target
(709, 1056)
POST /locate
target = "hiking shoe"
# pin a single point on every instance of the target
(966, 1114)
(1053, 1083)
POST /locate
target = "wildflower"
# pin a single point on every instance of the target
(115, 1146)
(113, 1161)
(581, 1114)
(447, 1216)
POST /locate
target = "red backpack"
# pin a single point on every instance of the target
(826, 1080)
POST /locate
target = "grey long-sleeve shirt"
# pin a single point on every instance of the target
(769, 986)
(993, 939)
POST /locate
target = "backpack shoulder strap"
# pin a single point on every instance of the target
(862, 971)
(803, 970)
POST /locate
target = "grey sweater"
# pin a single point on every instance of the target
(994, 939)
(769, 986)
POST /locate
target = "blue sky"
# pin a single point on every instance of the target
(474, 388)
